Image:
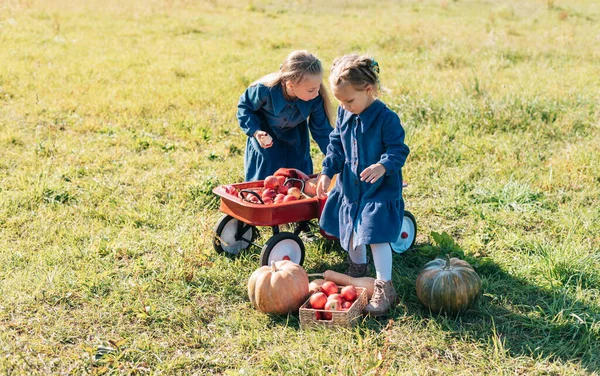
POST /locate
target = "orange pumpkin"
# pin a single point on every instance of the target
(280, 288)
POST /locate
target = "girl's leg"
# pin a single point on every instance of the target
(357, 265)
(358, 255)
(384, 295)
(382, 258)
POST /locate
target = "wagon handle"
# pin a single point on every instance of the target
(294, 179)
(243, 197)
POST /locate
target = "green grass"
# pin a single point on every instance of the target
(116, 121)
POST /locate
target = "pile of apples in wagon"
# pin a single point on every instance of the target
(275, 191)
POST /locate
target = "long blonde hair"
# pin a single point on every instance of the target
(296, 65)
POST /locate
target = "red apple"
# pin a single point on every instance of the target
(279, 198)
(331, 305)
(289, 198)
(283, 189)
(230, 189)
(294, 192)
(349, 293)
(253, 199)
(318, 300)
(329, 288)
(346, 305)
(271, 182)
(337, 297)
(269, 192)
(281, 180)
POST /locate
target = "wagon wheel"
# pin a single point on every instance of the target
(408, 234)
(283, 246)
(233, 235)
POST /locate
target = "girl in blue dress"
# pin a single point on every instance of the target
(367, 149)
(276, 113)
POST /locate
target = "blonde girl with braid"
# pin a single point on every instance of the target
(367, 150)
(278, 111)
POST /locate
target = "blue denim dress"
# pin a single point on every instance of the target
(372, 211)
(288, 122)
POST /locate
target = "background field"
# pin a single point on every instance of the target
(116, 121)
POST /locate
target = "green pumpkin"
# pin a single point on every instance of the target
(448, 285)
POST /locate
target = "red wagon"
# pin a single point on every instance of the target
(237, 229)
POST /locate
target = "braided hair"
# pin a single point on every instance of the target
(356, 70)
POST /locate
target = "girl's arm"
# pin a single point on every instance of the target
(397, 151)
(334, 159)
(250, 102)
(319, 125)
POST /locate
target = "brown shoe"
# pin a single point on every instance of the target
(384, 297)
(356, 270)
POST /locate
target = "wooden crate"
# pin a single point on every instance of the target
(347, 318)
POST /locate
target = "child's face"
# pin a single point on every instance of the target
(306, 89)
(355, 101)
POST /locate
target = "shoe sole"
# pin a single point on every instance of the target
(372, 314)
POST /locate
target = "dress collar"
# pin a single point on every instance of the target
(368, 116)
(279, 102)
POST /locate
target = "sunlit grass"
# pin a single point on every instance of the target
(118, 118)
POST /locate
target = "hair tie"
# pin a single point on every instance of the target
(375, 66)
(280, 66)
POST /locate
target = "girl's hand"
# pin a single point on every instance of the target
(322, 185)
(372, 173)
(264, 139)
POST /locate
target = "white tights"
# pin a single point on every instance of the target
(382, 258)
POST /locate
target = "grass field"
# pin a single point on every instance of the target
(116, 121)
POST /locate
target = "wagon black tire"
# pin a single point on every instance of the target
(227, 240)
(408, 234)
(283, 246)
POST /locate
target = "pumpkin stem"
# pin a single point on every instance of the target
(447, 266)
(273, 266)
